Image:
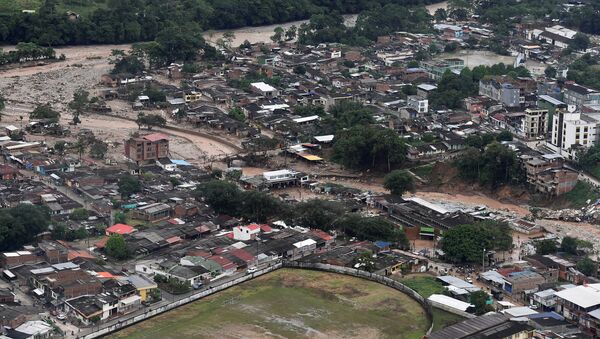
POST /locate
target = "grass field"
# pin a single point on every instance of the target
(293, 304)
(427, 285)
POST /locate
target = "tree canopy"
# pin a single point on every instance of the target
(116, 247)
(19, 225)
(127, 21)
(226, 198)
(373, 229)
(466, 243)
(43, 112)
(363, 147)
(546, 246)
(128, 185)
(398, 182)
(494, 166)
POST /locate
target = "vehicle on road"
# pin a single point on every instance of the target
(251, 269)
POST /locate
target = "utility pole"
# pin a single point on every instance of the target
(483, 261)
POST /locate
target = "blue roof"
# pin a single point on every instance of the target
(382, 244)
(181, 162)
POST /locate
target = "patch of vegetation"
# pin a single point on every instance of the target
(579, 196)
(423, 171)
(443, 319)
(425, 285)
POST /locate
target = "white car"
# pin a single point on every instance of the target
(61, 316)
(251, 269)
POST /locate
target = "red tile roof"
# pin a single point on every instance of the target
(119, 229)
(242, 254)
(223, 262)
(80, 254)
(156, 137)
(266, 228)
(174, 239)
(323, 235)
(253, 227)
(198, 253)
(101, 243)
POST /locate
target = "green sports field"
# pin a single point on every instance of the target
(293, 304)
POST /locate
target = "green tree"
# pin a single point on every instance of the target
(569, 245)
(120, 218)
(98, 149)
(128, 185)
(440, 15)
(364, 261)
(155, 94)
(116, 247)
(19, 225)
(237, 114)
(278, 36)
(317, 213)
(129, 65)
(80, 100)
(308, 110)
(546, 246)
(228, 37)
(373, 229)
(150, 120)
(259, 206)
(60, 146)
(79, 214)
(550, 72)
(466, 243)
(479, 300)
(587, 266)
(398, 182)
(504, 136)
(300, 69)
(59, 231)
(580, 42)
(222, 196)
(43, 112)
(291, 33)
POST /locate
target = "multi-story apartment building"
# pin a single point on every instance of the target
(573, 131)
(535, 123)
(504, 92)
(147, 148)
(579, 95)
(419, 104)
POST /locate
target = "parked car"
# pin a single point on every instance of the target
(251, 269)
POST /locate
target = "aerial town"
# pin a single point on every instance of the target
(436, 174)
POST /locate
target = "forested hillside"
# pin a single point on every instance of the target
(122, 21)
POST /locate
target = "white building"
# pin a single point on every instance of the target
(573, 131)
(265, 89)
(245, 233)
(417, 103)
